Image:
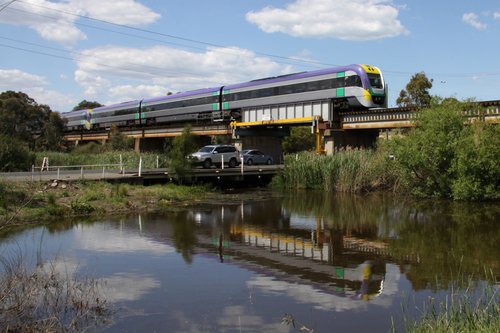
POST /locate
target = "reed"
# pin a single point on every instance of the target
(351, 171)
(41, 299)
(473, 309)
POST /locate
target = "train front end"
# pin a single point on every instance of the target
(375, 89)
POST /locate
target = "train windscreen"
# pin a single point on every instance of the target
(376, 81)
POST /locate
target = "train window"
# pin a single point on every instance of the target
(375, 81)
(183, 103)
(299, 88)
(353, 81)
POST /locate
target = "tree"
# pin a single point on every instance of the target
(300, 139)
(182, 146)
(86, 105)
(444, 157)
(417, 91)
(426, 154)
(118, 141)
(29, 122)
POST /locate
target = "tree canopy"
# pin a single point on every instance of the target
(33, 124)
(87, 105)
(416, 92)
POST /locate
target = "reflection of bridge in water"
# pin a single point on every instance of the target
(345, 266)
(322, 245)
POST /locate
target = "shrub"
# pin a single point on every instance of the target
(476, 165)
(14, 155)
(442, 157)
(427, 152)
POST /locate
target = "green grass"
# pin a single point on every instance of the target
(473, 309)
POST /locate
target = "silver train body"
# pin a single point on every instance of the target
(315, 93)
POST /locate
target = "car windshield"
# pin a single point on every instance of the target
(206, 149)
(244, 152)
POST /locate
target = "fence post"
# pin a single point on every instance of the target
(81, 172)
(140, 166)
(121, 164)
(157, 161)
(222, 164)
(32, 173)
(242, 165)
(58, 177)
(103, 176)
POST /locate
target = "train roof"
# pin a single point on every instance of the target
(119, 105)
(182, 94)
(282, 78)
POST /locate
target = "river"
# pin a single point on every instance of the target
(333, 263)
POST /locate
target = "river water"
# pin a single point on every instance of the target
(332, 263)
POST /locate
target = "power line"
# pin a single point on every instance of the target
(164, 73)
(310, 62)
(226, 48)
(7, 4)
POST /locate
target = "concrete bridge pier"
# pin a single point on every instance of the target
(267, 140)
(137, 145)
(337, 139)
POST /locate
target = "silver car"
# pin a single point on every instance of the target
(254, 156)
(215, 155)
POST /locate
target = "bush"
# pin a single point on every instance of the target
(476, 165)
(426, 154)
(14, 155)
(443, 157)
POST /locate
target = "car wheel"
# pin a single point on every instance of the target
(269, 161)
(232, 163)
(207, 163)
(249, 162)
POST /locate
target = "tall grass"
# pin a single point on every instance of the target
(350, 171)
(475, 309)
(43, 300)
(130, 159)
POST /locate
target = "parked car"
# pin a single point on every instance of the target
(254, 156)
(215, 154)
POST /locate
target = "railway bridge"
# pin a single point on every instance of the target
(264, 127)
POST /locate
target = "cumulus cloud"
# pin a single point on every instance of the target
(55, 21)
(472, 19)
(160, 69)
(342, 19)
(496, 15)
(35, 86)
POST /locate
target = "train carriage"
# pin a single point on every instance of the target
(198, 105)
(124, 114)
(77, 120)
(353, 87)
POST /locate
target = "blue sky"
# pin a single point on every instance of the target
(61, 52)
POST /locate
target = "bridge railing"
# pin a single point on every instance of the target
(46, 170)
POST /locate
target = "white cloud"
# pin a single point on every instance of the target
(52, 21)
(342, 19)
(496, 15)
(35, 86)
(473, 20)
(128, 12)
(10, 79)
(137, 73)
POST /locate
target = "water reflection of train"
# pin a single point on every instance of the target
(280, 241)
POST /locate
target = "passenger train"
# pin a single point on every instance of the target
(353, 87)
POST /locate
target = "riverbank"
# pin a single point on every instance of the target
(23, 204)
